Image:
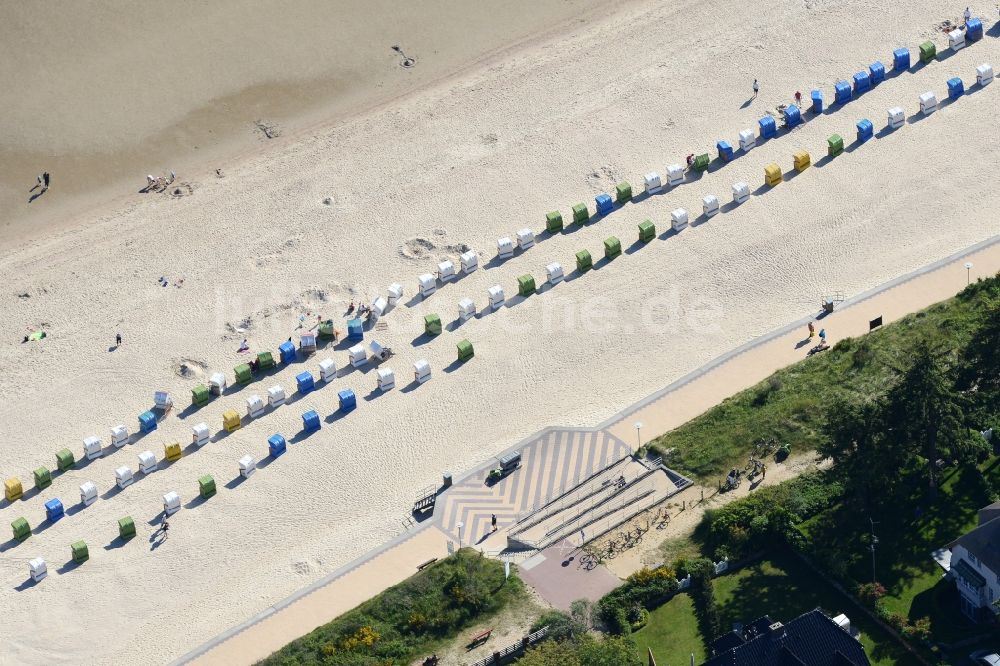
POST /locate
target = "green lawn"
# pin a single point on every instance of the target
(781, 587)
(672, 633)
(790, 404)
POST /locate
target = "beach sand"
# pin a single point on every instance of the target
(464, 161)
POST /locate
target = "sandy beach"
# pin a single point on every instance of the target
(455, 163)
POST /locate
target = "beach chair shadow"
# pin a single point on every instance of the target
(236, 482)
(195, 502)
(112, 491)
(453, 366)
(26, 585)
(219, 435)
(116, 543)
(669, 233)
(42, 526)
(9, 544)
(412, 386)
(884, 132)
(700, 220)
(823, 161)
(422, 339)
(790, 175)
(762, 190)
(915, 118)
(374, 393)
(336, 416)
(600, 263)
(68, 566)
(728, 207)
(302, 435)
(75, 509)
(634, 247)
(514, 300)
(854, 145)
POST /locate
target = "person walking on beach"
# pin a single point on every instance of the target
(118, 339)
(756, 89)
(493, 521)
(968, 15)
(812, 331)
(45, 181)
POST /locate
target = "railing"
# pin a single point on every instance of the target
(543, 503)
(515, 649)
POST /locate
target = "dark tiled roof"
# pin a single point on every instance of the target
(812, 639)
(988, 513)
(984, 543)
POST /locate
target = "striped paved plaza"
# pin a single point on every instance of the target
(551, 463)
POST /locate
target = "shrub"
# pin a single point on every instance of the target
(645, 588)
(870, 593)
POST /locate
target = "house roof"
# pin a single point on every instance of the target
(812, 639)
(988, 513)
(984, 542)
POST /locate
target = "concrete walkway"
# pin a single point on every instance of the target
(666, 409)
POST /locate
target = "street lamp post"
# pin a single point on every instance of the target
(459, 526)
(968, 273)
(638, 435)
(874, 542)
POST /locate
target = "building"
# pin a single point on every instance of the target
(812, 639)
(974, 565)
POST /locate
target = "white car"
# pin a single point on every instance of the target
(985, 658)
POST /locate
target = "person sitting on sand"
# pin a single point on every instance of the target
(690, 160)
(350, 308)
(798, 99)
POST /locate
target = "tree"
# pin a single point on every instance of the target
(924, 412)
(856, 443)
(979, 370)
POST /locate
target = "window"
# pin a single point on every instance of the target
(972, 558)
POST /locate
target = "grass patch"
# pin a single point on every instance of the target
(410, 619)
(672, 633)
(790, 404)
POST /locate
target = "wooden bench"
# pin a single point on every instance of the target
(421, 567)
(481, 637)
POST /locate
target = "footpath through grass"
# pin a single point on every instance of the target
(790, 405)
(781, 587)
(411, 619)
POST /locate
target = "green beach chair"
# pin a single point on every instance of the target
(612, 248)
(580, 213)
(701, 163)
(432, 324)
(623, 192)
(647, 231)
(465, 351)
(200, 395)
(834, 145)
(927, 52)
(43, 478)
(525, 285)
(266, 361)
(64, 460)
(80, 552)
(206, 486)
(126, 528)
(584, 262)
(21, 529)
(553, 222)
(243, 373)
